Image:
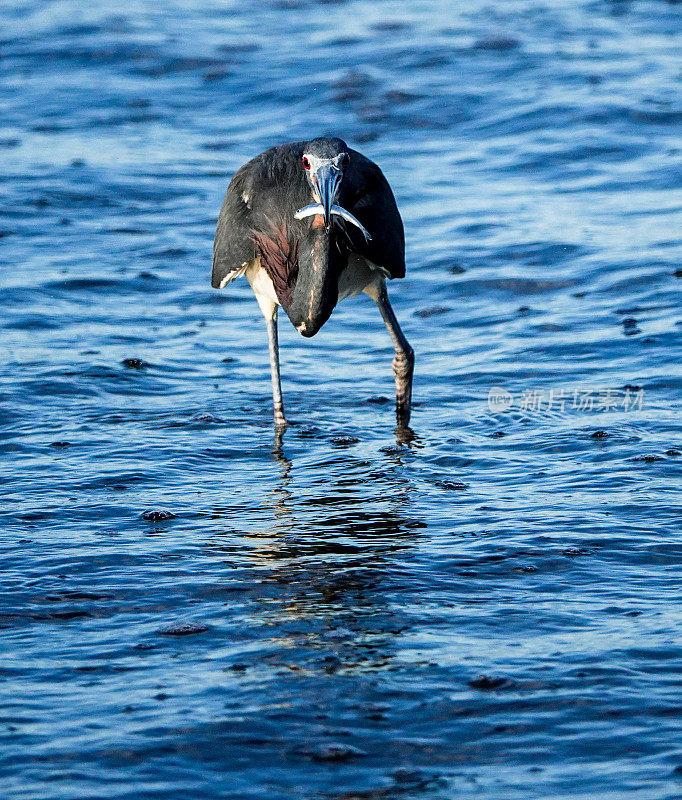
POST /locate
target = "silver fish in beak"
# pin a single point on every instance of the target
(317, 208)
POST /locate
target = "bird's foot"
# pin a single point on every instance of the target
(404, 434)
(278, 411)
(402, 414)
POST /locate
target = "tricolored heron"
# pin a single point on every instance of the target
(309, 224)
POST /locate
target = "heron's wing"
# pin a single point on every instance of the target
(366, 194)
(260, 204)
(233, 246)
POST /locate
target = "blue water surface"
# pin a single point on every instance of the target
(491, 610)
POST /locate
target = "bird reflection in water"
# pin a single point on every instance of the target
(331, 558)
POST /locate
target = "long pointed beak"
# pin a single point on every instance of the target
(328, 179)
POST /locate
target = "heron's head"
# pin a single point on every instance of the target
(324, 161)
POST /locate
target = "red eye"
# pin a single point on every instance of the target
(306, 163)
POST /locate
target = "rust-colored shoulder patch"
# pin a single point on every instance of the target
(279, 256)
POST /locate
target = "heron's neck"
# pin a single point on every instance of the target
(316, 291)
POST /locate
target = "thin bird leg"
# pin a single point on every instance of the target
(271, 323)
(403, 363)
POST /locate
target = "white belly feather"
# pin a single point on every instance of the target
(359, 275)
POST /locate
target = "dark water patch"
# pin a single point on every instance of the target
(390, 25)
(59, 54)
(333, 752)
(158, 515)
(55, 388)
(475, 228)
(168, 253)
(344, 441)
(34, 322)
(499, 44)
(630, 327)
(425, 313)
(513, 286)
(485, 683)
(117, 482)
(135, 363)
(218, 146)
(238, 47)
(452, 486)
(647, 458)
(205, 418)
(70, 595)
(540, 254)
(100, 286)
(657, 115)
(183, 629)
